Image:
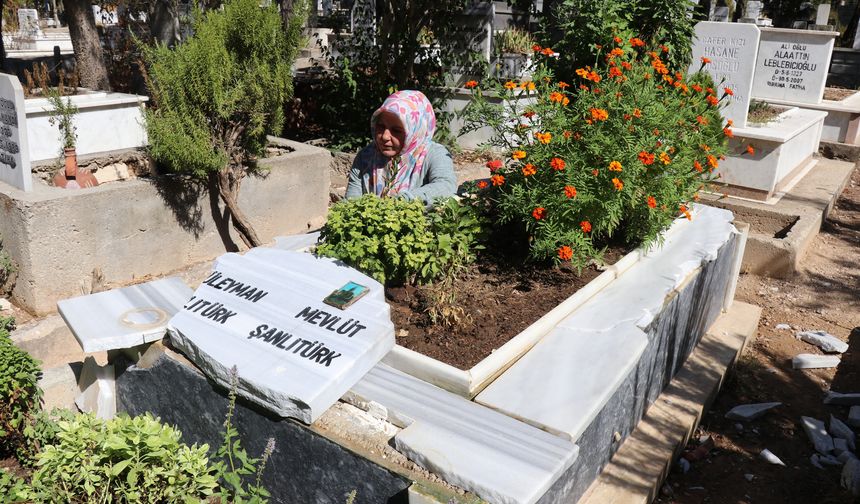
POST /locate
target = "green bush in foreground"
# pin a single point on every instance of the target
(19, 391)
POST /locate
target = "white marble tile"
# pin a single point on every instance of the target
(473, 447)
(294, 354)
(126, 317)
(297, 242)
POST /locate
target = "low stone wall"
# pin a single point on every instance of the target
(137, 228)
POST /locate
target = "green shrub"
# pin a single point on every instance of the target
(624, 148)
(134, 460)
(13, 489)
(7, 268)
(393, 241)
(20, 394)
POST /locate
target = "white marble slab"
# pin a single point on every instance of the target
(14, 147)
(497, 457)
(579, 365)
(126, 317)
(294, 354)
(732, 49)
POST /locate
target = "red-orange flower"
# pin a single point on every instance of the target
(646, 158)
(701, 120)
(595, 172)
(570, 191)
(637, 42)
(598, 114)
(728, 132)
(637, 113)
(557, 164)
(652, 203)
(750, 150)
(697, 88)
(728, 91)
(528, 114)
(494, 164)
(536, 48)
(712, 100)
(565, 253)
(544, 138)
(686, 212)
(626, 65)
(482, 184)
(712, 161)
(585, 226)
(705, 60)
(547, 51)
(617, 39)
(615, 72)
(617, 52)
(665, 158)
(518, 154)
(619, 185)
(497, 180)
(566, 134)
(539, 213)
(615, 166)
(563, 85)
(529, 170)
(697, 166)
(471, 84)
(556, 97)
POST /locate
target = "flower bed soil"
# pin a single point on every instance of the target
(497, 300)
(837, 94)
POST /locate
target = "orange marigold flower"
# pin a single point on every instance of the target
(565, 253)
(557, 164)
(595, 172)
(547, 51)
(530, 85)
(518, 154)
(566, 134)
(710, 91)
(585, 226)
(544, 138)
(697, 88)
(570, 191)
(497, 180)
(529, 170)
(483, 184)
(528, 114)
(614, 166)
(730, 123)
(712, 161)
(664, 48)
(494, 164)
(705, 147)
(577, 136)
(563, 85)
(685, 212)
(728, 132)
(652, 203)
(665, 158)
(668, 79)
(701, 120)
(637, 113)
(615, 72)
(617, 52)
(619, 185)
(471, 84)
(617, 39)
(565, 101)
(697, 166)
(555, 96)
(539, 213)
(646, 157)
(656, 132)
(637, 42)
(728, 91)
(536, 48)
(712, 100)
(705, 60)
(599, 114)
(510, 85)
(750, 150)
(626, 65)
(647, 76)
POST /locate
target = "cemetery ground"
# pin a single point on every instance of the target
(824, 295)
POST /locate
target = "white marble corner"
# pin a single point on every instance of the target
(493, 455)
(565, 380)
(126, 317)
(297, 242)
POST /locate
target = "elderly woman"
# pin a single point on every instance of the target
(403, 160)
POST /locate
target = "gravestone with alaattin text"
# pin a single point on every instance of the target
(14, 149)
(792, 65)
(264, 314)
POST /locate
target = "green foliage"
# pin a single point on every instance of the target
(133, 460)
(219, 93)
(7, 268)
(19, 391)
(393, 241)
(622, 149)
(234, 464)
(13, 489)
(62, 115)
(513, 41)
(575, 28)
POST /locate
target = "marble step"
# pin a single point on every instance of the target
(497, 457)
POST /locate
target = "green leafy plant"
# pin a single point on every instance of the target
(7, 268)
(220, 93)
(14, 489)
(133, 460)
(622, 149)
(20, 394)
(234, 464)
(62, 115)
(513, 41)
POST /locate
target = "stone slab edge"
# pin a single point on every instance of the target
(641, 464)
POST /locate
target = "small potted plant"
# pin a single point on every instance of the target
(513, 48)
(62, 116)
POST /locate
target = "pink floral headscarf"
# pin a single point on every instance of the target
(416, 113)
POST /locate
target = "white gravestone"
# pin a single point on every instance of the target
(264, 313)
(28, 23)
(822, 15)
(792, 64)
(732, 49)
(14, 149)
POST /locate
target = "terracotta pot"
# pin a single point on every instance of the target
(71, 162)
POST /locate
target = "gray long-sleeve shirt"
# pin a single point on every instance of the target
(436, 180)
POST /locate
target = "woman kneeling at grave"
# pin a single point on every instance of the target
(403, 160)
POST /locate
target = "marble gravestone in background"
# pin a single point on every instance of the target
(14, 151)
(792, 65)
(264, 313)
(732, 49)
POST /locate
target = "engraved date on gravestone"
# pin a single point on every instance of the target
(790, 62)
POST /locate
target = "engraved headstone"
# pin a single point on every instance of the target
(14, 150)
(28, 23)
(721, 14)
(793, 64)
(264, 314)
(731, 49)
(822, 15)
(753, 9)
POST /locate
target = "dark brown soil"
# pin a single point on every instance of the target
(837, 94)
(494, 303)
(762, 112)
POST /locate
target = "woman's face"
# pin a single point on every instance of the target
(389, 134)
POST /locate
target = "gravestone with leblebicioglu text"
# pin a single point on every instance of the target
(731, 49)
(263, 313)
(792, 65)
(14, 150)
